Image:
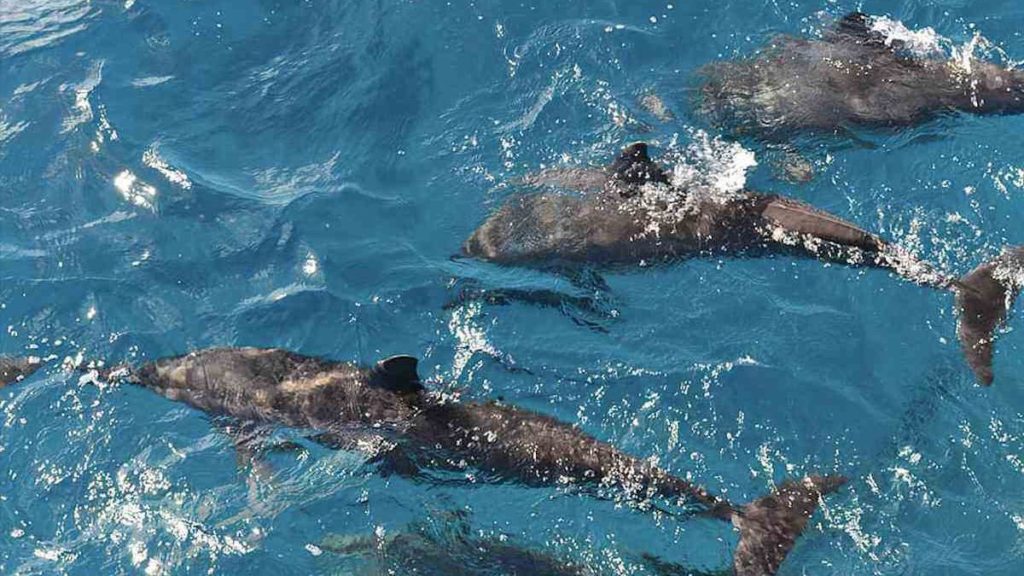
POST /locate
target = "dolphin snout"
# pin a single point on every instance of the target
(477, 246)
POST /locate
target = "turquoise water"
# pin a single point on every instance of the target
(183, 174)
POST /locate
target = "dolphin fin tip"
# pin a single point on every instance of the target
(398, 374)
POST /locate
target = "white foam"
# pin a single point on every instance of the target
(707, 169)
(151, 158)
(82, 111)
(134, 190)
(148, 81)
(921, 42)
(712, 163)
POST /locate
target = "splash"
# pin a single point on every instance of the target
(927, 43)
(707, 170)
(711, 163)
(470, 336)
(134, 190)
(921, 42)
(151, 158)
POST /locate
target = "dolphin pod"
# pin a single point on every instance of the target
(345, 404)
(853, 76)
(629, 214)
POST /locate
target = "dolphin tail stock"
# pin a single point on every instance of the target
(983, 299)
(769, 526)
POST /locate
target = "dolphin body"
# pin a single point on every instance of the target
(853, 76)
(629, 214)
(419, 430)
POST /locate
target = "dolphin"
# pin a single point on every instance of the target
(628, 214)
(853, 76)
(414, 429)
(448, 547)
(447, 544)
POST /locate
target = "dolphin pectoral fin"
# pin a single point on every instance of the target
(983, 300)
(587, 303)
(390, 458)
(249, 439)
(251, 444)
(769, 526)
(396, 461)
(803, 219)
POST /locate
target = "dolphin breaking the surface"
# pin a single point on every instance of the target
(630, 214)
(853, 76)
(345, 404)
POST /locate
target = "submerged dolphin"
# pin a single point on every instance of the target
(421, 430)
(852, 76)
(448, 547)
(447, 544)
(629, 214)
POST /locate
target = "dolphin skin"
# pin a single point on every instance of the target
(629, 214)
(853, 76)
(338, 401)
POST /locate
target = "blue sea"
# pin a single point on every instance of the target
(180, 174)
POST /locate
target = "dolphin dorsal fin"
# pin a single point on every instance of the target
(857, 27)
(634, 166)
(856, 24)
(397, 374)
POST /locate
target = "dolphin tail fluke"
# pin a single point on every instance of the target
(983, 299)
(16, 369)
(769, 526)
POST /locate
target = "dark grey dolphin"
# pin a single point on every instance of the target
(628, 215)
(851, 77)
(340, 401)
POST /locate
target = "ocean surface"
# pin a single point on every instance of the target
(179, 174)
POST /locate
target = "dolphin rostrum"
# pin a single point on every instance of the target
(629, 214)
(853, 76)
(418, 430)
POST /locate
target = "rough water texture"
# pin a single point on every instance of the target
(177, 175)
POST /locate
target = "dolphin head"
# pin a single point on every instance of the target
(533, 228)
(997, 89)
